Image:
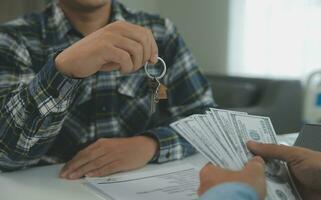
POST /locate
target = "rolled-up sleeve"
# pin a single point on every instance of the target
(33, 104)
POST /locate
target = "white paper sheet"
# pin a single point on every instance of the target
(176, 182)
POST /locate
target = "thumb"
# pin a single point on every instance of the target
(256, 166)
(273, 151)
(254, 171)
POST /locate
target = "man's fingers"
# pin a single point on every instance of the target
(137, 33)
(110, 67)
(274, 151)
(154, 54)
(105, 170)
(83, 157)
(258, 159)
(91, 166)
(141, 35)
(254, 175)
(255, 165)
(148, 48)
(209, 169)
(135, 49)
(80, 154)
(123, 58)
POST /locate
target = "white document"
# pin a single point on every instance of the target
(176, 182)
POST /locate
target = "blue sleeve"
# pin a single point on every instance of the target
(230, 191)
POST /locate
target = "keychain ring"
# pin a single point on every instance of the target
(156, 77)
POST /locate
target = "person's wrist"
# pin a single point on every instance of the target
(60, 65)
(150, 143)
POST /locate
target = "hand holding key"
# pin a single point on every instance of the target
(155, 86)
(117, 46)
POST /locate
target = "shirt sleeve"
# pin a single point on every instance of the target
(33, 105)
(230, 191)
(188, 93)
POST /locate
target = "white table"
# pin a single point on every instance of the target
(42, 183)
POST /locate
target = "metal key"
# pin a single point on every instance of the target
(154, 88)
(154, 85)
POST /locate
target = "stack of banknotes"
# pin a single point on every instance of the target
(221, 136)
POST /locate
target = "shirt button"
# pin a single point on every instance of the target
(168, 154)
(54, 93)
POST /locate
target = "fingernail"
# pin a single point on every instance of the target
(251, 142)
(155, 58)
(259, 159)
(253, 145)
(72, 176)
(90, 174)
(63, 174)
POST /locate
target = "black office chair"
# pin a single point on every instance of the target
(281, 100)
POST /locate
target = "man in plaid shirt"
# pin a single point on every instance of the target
(72, 89)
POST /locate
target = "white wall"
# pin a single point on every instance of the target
(145, 5)
(203, 24)
(11, 9)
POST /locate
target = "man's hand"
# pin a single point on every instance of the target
(119, 45)
(252, 174)
(108, 156)
(304, 164)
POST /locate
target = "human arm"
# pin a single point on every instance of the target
(188, 93)
(35, 103)
(304, 164)
(248, 183)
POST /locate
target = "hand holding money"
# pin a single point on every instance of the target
(221, 136)
(252, 175)
(304, 164)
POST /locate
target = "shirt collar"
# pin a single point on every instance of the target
(59, 23)
(116, 12)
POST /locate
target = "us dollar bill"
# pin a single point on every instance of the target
(260, 129)
(224, 120)
(221, 136)
(184, 130)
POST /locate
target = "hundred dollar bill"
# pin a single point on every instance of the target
(260, 129)
(218, 132)
(224, 119)
(210, 147)
(181, 127)
(217, 144)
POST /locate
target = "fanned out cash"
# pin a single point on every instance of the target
(221, 136)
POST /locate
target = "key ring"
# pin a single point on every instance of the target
(162, 74)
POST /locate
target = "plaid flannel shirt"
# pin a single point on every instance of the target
(47, 117)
